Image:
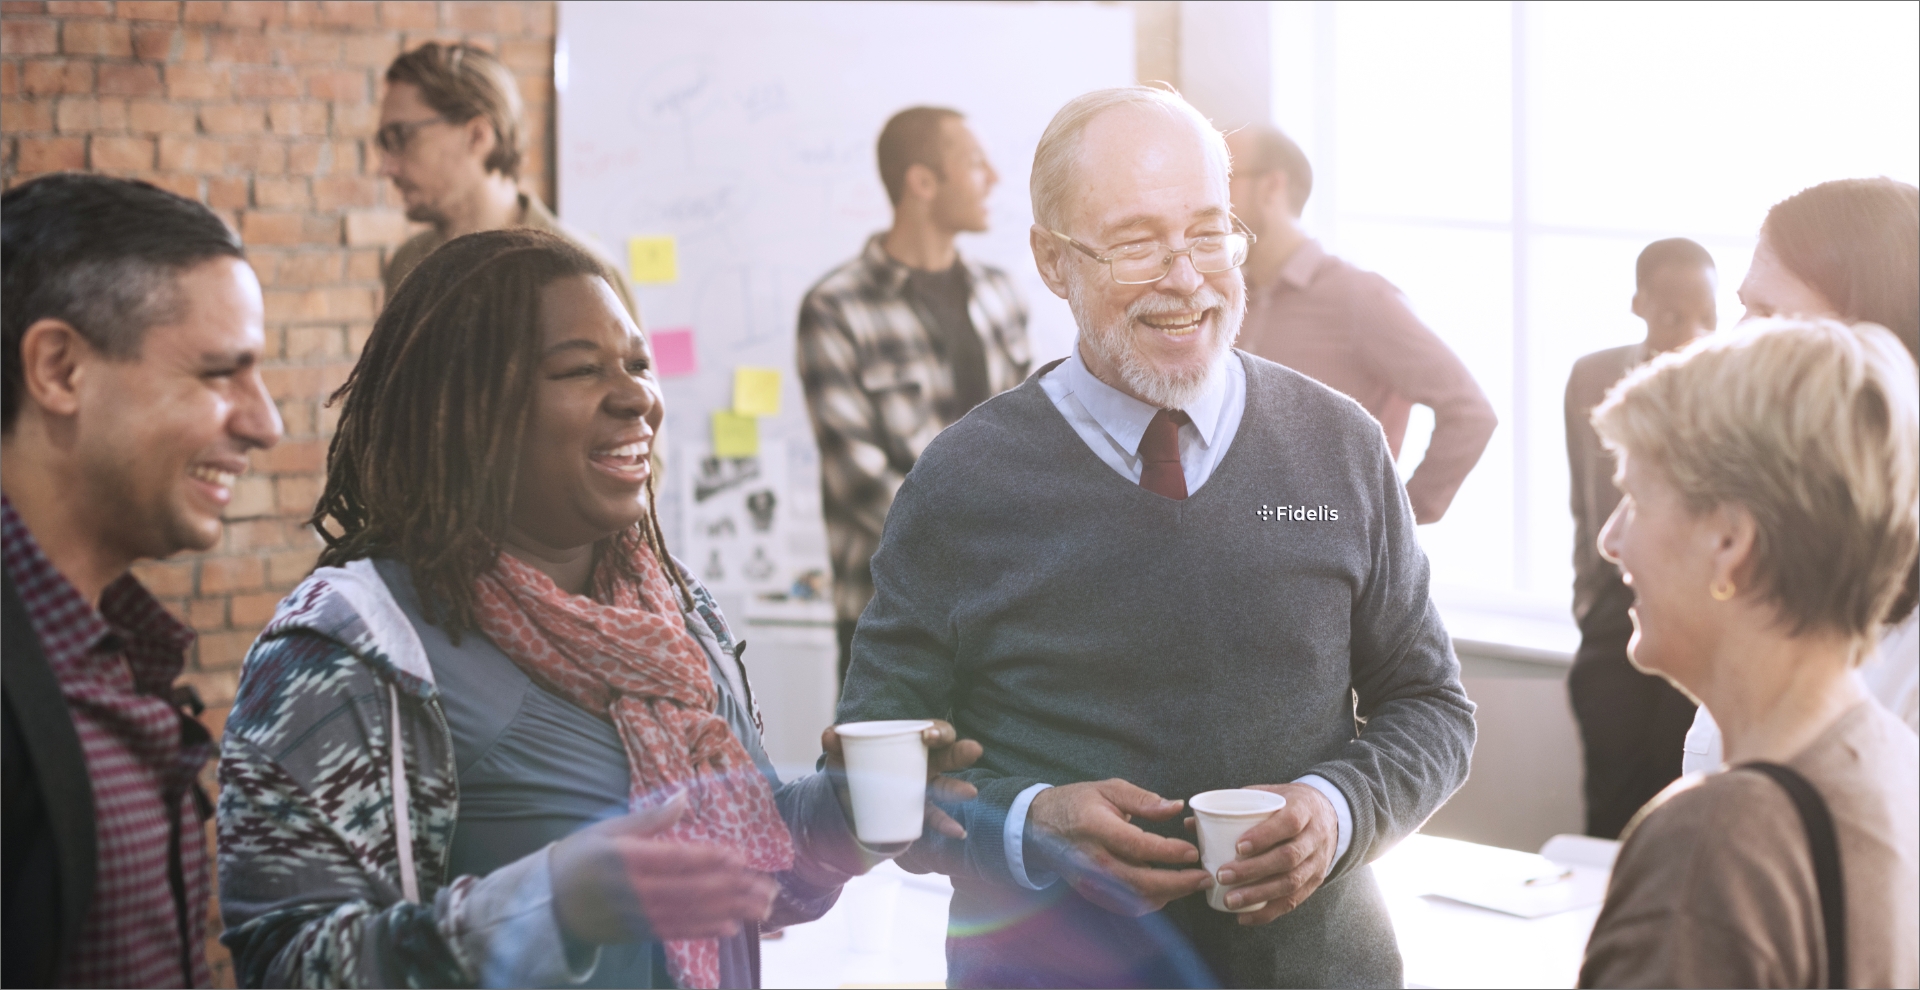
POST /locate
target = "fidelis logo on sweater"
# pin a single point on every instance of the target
(1297, 513)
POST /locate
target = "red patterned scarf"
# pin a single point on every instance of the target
(633, 660)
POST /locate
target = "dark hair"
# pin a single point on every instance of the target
(100, 254)
(912, 137)
(1858, 242)
(461, 82)
(423, 465)
(1274, 151)
(1674, 252)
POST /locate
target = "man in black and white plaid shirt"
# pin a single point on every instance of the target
(903, 340)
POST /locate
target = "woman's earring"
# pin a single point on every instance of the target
(1721, 590)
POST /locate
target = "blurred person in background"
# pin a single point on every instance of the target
(450, 143)
(1848, 249)
(1347, 327)
(1632, 724)
(1767, 522)
(1096, 575)
(497, 639)
(899, 343)
(133, 340)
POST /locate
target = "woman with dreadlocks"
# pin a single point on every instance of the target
(498, 662)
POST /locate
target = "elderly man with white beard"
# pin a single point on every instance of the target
(1159, 567)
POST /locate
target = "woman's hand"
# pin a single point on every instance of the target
(946, 752)
(614, 881)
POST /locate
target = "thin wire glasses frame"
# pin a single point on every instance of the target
(1223, 252)
(393, 137)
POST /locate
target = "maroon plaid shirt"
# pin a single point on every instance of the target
(116, 667)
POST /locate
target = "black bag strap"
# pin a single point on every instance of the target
(1825, 843)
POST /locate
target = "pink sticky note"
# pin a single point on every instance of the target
(673, 352)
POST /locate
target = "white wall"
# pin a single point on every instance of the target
(1524, 786)
(1226, 60)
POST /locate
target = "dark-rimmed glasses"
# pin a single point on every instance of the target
(1146, 262)
(393, 138)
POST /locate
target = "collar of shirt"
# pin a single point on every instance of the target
(890, 274)
(71, 629)
(1125, 418)
(535, 214)
(1299, 269)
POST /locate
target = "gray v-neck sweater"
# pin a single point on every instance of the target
(1081, 628)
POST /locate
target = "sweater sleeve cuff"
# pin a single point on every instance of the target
(1013, 841)
(511, 933)
(1341, 810)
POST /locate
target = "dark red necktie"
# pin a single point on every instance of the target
(1160, 455)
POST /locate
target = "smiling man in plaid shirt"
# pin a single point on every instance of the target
(899, 343)
(132, 328)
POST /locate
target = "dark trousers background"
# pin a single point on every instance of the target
(1632, 725)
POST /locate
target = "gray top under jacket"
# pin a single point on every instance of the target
(1274, 624)
(534, 768)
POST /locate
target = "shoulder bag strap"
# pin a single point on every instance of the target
(1825, 843)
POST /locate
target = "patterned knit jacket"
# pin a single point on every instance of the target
(314, 891)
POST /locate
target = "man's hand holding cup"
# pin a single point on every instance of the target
(1278, 858)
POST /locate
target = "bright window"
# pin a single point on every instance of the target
(1504, 163)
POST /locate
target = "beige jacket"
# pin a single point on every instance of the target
(534, 214)
(1714, 886)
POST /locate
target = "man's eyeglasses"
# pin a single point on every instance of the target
(393, 138)
(1145, 262)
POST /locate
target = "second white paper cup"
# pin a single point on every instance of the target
(1223, 817)
(887, 778)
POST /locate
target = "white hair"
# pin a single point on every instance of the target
(1057, 156)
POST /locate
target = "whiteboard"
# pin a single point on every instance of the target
(746, 132)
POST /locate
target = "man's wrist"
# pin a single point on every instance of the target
(1342, 812)
(1024, 859)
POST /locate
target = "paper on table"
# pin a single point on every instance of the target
(735, 435)
(756, 391)
(652, 260)
(673, 352)
(1525, 885)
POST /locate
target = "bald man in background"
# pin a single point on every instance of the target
(1347, 327)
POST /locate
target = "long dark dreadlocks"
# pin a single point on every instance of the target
(422, 467)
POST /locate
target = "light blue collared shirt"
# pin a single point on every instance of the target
(1112, 423)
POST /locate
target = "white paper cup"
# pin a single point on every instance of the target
(887, 778)
(1223, 817)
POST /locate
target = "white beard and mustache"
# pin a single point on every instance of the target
(1165, 388)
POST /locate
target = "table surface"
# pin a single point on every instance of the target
(889, 929)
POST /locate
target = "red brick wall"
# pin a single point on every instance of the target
(264, 111)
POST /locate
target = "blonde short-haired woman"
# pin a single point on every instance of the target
(1768, 519)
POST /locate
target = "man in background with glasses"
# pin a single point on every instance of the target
(449, 141)
(1161, 567)
(1348, 328)
(903, 340)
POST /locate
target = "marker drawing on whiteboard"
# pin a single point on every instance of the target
(760, 504)
(759, 568)
(717, 474)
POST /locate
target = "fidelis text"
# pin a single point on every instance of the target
(1298, 513)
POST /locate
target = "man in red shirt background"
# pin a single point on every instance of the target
(1347, 327)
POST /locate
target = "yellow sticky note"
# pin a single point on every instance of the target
(756, 391)
(652, 260)
(735, 435)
